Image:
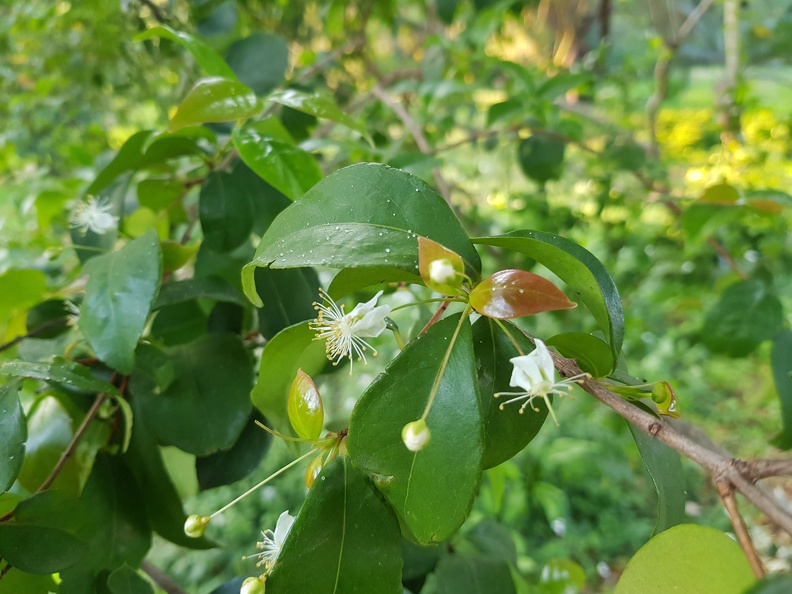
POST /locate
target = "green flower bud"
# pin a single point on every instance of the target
(195, 525)
(416, 435)
(254, 585)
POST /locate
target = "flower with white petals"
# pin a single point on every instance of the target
(345, 332)
(535, 373)
(72, 313)
(272, 542)
(94, 215)
(442, 271)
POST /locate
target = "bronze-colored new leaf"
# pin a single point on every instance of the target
(514, 293)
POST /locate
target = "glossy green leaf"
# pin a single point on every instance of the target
(114, 526)
(459, 574)
(180, 323)
(126, 159)
(687, 558)
(591, 353)
(305, 408)
(259, 60)
(345, 539)
(208, 59)
(215, 100)
(121, 288)
(509, 294)
(175, 255)
(781, 359)
(226, 212)
(291, 349)
(665, 469)
(13, 434)
(541, 158)
(747, 314)
(288, 297)
(432, 490)
(205, 287)
(579, 269)
(126, 580)
(506, 432)
(318, 105)
(229, 466)
(287, 168)
(207, 405)
(363, 216)
(60, 371)
(350, 280)
(159, 497)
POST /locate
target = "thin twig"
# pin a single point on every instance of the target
(759, 469)
(162, 579)
(726, 492)
(437, 315)
(69, 451)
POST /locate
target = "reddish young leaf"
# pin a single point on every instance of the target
(305, 408)
(435, 262)
(513, 293)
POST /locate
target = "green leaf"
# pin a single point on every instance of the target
(747, 314)
(509, 294)
(305, 408)
(176, 255)
(287, 168)
(700, 220)
(159, 497)
(350, 280)
(363, 216)
(430, 252)
(320, 106)
(579, 269)
(127, 159)
(19, 582)
(60, 371)
(118, 296)
(290, 297)
(208, 59)
(226, 212)
(506, 432)
(560, 576)
(291, 349)
(260, 60)
(687, 558)
(207, 405)
(229, 466)
(180, 323)
(20, 290)
(143, 219)
(13, 434)
(720, 194)
(541, 158)
(39, 549)
(665, 469)
(781, 359)
(344, 540)
(215, 100)
(591, 353)
(114, 525)
(471, 575)
(158, 194)
(432, 490)
(126, 580)
(776, 583)
(204, 287)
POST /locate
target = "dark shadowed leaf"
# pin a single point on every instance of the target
(13, 434)
(226, 212)
(288, 297)
(782, 374)
(541, 158)
(591, 353)
(473, 575)
(259, 60)
(126, 580)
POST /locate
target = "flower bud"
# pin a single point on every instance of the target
(313, 470)
(442, 272)
(253, 585)
(195, 525)
(416, 435)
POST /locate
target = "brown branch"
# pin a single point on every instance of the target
(162, 579)
(723, 469)
(726, 492)
(755, 470)
(416, 132)
(437, 315)
(72, 447)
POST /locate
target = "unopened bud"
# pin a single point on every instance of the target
(416, 435)
(195, 525)
(442, 271)
(313, 470)
(253, 585)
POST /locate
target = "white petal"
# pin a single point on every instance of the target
(361, 309)
(373, 323)
(533, 369)
(282, 527)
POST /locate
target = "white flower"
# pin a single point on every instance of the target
(442, 271)
(73, 313)
(344, 332)
(94, 215)
(535, 373)
(272, 542)
(416, 435)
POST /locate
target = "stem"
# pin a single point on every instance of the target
(277, 434)
(505, 330)
(444, 364)
(264, 482)
(726, 492)
(437, 315)
(424, 301)
(69, 451)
